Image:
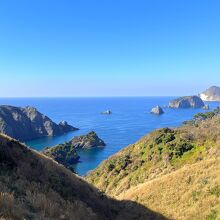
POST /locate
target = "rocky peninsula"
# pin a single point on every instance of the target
(28, 123)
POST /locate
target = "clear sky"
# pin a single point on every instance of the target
(108, 47)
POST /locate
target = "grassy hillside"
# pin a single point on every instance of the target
(192, 192)
(145, 171)
(33, 186)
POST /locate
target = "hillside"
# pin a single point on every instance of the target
(33, 186)
(172, 171)
(28, 123)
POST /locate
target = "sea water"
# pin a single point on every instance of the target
(129, 121)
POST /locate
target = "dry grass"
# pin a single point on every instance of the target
(192, 192)
(150, 173)
(33, 186)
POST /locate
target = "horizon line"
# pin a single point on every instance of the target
(137, 96)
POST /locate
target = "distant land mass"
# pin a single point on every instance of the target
(211, 94)
(28, 123)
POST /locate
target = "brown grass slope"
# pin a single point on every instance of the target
(192, 192)
(160, 158)
(33, 186)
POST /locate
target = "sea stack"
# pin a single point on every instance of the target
(157, 110)
(206, 107)
(187, 102)
(107, 112)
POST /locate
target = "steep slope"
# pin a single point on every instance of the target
(33, 186)
(28, 123)
(141, 171)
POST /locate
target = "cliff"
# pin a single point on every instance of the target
(28, 123)
(187, 102)
(211, 94)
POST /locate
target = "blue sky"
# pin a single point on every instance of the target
(108, 47)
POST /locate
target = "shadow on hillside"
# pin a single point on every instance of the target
(130, 210)
(41, 188)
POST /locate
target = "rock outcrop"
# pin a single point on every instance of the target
(206, 107)
(87, 141)
(157, 110)
(28, 123)
(211, 94)
(107, 112)
(187, 102)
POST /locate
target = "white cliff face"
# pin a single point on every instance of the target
(204, 97)
(211, 94)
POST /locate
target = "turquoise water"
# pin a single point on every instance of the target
(130, 121)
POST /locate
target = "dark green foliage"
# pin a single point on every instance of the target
(182, 147)
(168, 142)
(202, 116)
(64, 154)
(122, 163)
(166, 136)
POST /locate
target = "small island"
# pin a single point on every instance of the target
(157, 110)
(87, 141)
(107, 112)
(187, 102)
(66, 153)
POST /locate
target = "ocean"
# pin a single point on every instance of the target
(129, 121)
